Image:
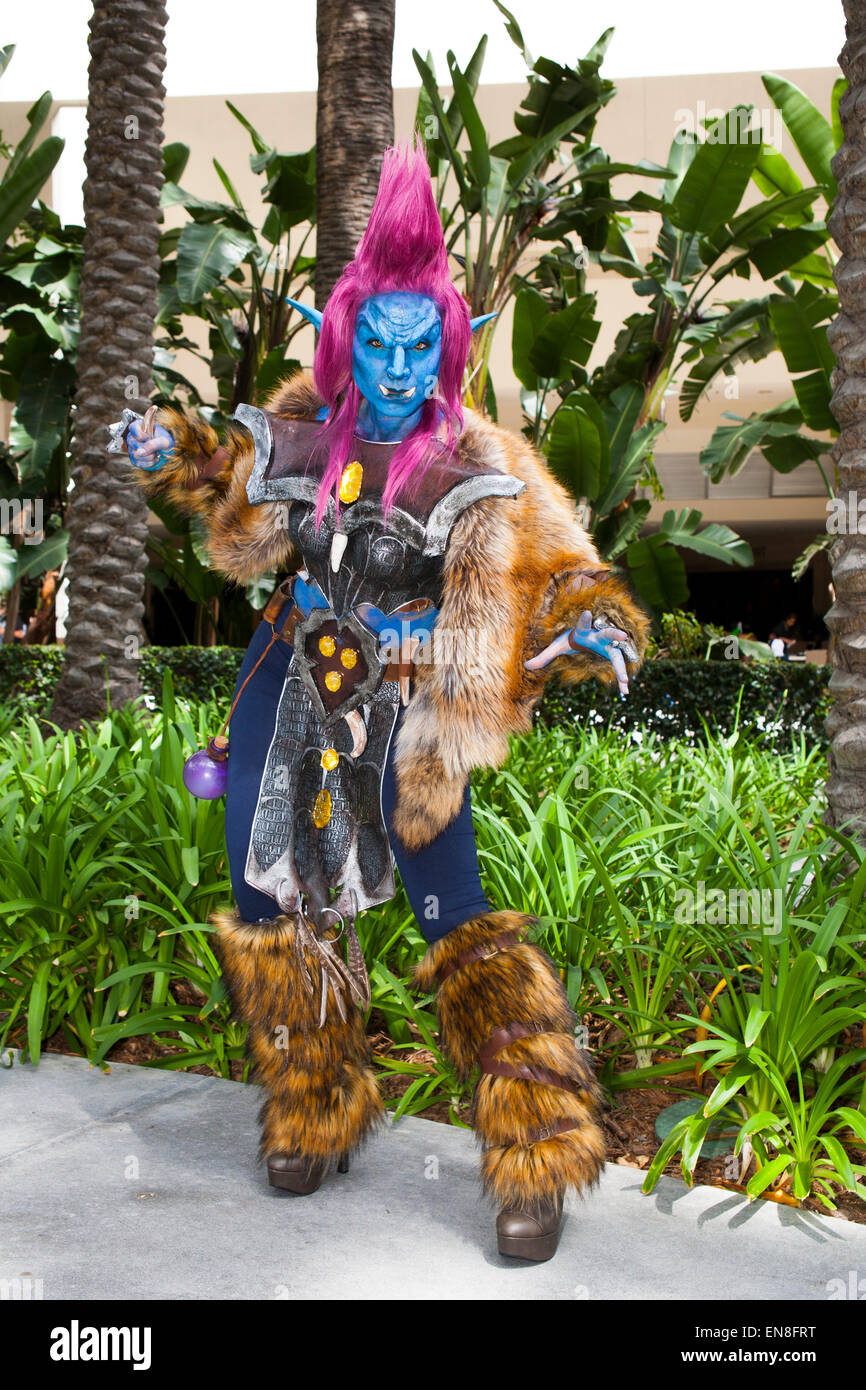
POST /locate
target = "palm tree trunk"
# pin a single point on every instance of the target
(108, 514)
(846, 725)
(354, 124)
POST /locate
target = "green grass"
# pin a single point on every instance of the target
(110, 872)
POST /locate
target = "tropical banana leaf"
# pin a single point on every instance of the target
(206, 254)
(716, 540)
(531, 312)
(577, 446)
(799, 324)
(810, 131)
(776, 433)
(783, 249)
(7, 563)
(478, 162)
(621, 411)
(36, 118)
(627, 473)
(47, 554)
(18, 190)
(657, 572)
(840, 87)
(716, 179)
(565, 339)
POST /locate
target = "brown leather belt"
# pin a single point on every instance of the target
(209, 468)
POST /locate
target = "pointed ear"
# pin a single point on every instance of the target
(313, 316)
(482, 319)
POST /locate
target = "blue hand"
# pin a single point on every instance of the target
(604, 641)
(149, 452)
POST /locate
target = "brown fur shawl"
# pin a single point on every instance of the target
(511, 585)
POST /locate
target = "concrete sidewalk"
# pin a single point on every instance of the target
(142, 1184)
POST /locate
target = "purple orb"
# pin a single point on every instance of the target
(205, 778)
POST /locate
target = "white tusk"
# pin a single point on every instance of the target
(359, 732)
(338, 545)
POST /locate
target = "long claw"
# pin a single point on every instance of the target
(355, 721)
(558, 647)
(617, 661)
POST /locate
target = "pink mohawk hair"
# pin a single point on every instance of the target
(403, 248)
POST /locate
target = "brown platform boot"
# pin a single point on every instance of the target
(321, 1096)
(502, 1007)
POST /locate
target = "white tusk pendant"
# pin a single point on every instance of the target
(338, 546)
(359, 732)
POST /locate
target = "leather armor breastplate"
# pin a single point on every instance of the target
(318, 829)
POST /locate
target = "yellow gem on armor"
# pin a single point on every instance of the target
(330, 758)
(327, 646)
(350, 483)
(322, 809)
(349, 657)
(333, 680)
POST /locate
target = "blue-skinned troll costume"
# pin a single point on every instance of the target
(438, 577)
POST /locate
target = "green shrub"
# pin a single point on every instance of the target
(671, 698)
(28, 674)
(198, 673)
(773, 700)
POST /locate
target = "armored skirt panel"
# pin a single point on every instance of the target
(318, 836)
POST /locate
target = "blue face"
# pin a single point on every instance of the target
(395, 360)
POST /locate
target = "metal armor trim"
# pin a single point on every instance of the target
(431, 540)
(449, 507)
(256, 421)
(279, 844)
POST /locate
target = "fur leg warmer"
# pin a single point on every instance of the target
(321, 1093)
(501, 1002)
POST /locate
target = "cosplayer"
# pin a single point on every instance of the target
(439, 578)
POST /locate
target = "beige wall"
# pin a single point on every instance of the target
(639, 122)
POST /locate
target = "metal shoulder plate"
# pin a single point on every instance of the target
(429, 535)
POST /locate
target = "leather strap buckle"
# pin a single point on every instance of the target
(537, 1136)
(522, 1071)
(473, 954)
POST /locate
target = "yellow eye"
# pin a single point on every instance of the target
(422, 346)
(374, 343)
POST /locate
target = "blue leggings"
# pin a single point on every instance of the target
(442, 881)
